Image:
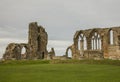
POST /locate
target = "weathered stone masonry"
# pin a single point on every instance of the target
(36, 48)
(96, 43)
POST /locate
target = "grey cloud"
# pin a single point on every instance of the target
(12, 32)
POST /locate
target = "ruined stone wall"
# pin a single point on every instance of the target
(96, 43)
(37, 41)
(13, 51)
(51, 54)
(36, 48)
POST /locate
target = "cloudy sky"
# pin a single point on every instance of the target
(61, 18)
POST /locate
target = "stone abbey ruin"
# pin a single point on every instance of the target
(35, 48)
(97, 43)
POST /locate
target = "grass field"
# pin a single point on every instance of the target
(45, 72)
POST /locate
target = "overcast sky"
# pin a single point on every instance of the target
(61, 18)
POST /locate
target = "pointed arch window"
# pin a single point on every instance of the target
(96, 41)
(111, 37)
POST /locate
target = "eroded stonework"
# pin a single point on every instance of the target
(36, 48)
(96, 43)
(51, 53)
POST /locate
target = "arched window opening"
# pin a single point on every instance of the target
(92, 42)
(99, 42)
(69, 53)
(96, 42)
(81, 35)
(80, 39)
(23, 51)
(79, 43)
(111, 37)
(95, 34)
(82, 43)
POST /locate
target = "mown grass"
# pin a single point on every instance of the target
(105, 62)
(22, 62)
(60, 71)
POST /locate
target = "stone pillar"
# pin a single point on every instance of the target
(96, 43)
(102, 47)
(76, 43)
(99, 43)
(32, 39)
(81, 47)
(119, 41)
(93, 44)
(89, 42)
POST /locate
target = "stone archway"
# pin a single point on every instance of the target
(23, 52)
(96, 41)
(111, 40)
(68, 51)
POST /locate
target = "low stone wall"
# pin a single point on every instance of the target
(91, 54)
(60, 57)
(114, 52)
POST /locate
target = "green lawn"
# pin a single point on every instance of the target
(59, 73)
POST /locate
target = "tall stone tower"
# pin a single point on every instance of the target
(37, 41)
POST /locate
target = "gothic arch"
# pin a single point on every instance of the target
(69, 48)
(81, 40)
(23, 50)
(110, 36)
(92, 33)
(96, 41)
